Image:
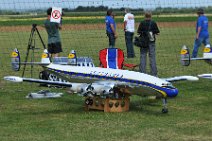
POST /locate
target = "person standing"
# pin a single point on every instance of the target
(148, 29)
(54, 41)
(202, 34)
(111, 28)
(129, 28)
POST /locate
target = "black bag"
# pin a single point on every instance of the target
(144, 39)
(141, 42)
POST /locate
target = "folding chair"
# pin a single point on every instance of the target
(113, 58)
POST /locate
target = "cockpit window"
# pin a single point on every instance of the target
(168, 85)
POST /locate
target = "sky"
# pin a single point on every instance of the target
(19, 5)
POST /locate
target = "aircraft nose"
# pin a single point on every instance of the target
(172, 92)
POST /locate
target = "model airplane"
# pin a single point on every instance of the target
(103, 82)
(207, 57)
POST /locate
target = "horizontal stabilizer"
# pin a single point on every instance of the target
(192, 59)
(181, 78)
(34, 63)
(200, 58)
(208, 76)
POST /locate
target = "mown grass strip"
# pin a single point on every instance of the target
(93, 20)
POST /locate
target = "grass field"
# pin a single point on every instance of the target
(189, 117)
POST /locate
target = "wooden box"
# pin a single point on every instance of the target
(107, 104)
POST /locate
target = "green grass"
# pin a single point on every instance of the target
(64, 119)
(189, 116)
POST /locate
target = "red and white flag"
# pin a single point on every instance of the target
(56, 14)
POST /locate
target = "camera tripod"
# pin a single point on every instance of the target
(31, 46)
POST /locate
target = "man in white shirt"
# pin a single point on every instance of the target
(129, 28)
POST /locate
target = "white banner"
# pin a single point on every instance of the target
(56, 14)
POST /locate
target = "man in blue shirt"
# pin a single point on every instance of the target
(111, 28)
(202, 34)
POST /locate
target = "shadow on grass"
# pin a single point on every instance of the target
(145, 106)
(73, 104)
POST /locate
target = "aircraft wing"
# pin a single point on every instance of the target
(208, 76)
(102, 88)
(181, 78)
(22, 79)
(81, 88)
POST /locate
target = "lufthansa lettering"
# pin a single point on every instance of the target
(114, 75)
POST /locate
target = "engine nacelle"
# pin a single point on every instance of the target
(79, 88)
(107, 91)
(91, 90)
(101, 90)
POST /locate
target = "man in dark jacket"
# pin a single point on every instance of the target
(148, 29)
(54, 41)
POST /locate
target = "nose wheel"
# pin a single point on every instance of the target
(165, 109)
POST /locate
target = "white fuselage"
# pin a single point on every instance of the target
(139, 82)
(107, 74)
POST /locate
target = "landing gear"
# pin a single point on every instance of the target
(165, 109)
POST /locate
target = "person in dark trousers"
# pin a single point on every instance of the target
(129, 28)
(148, 29)
(202, 34)
(54, 41)
(111, 28)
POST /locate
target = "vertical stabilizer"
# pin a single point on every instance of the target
(15, 60)
(72, 58)
(207, 52)
(185, 56)
(45, 57)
